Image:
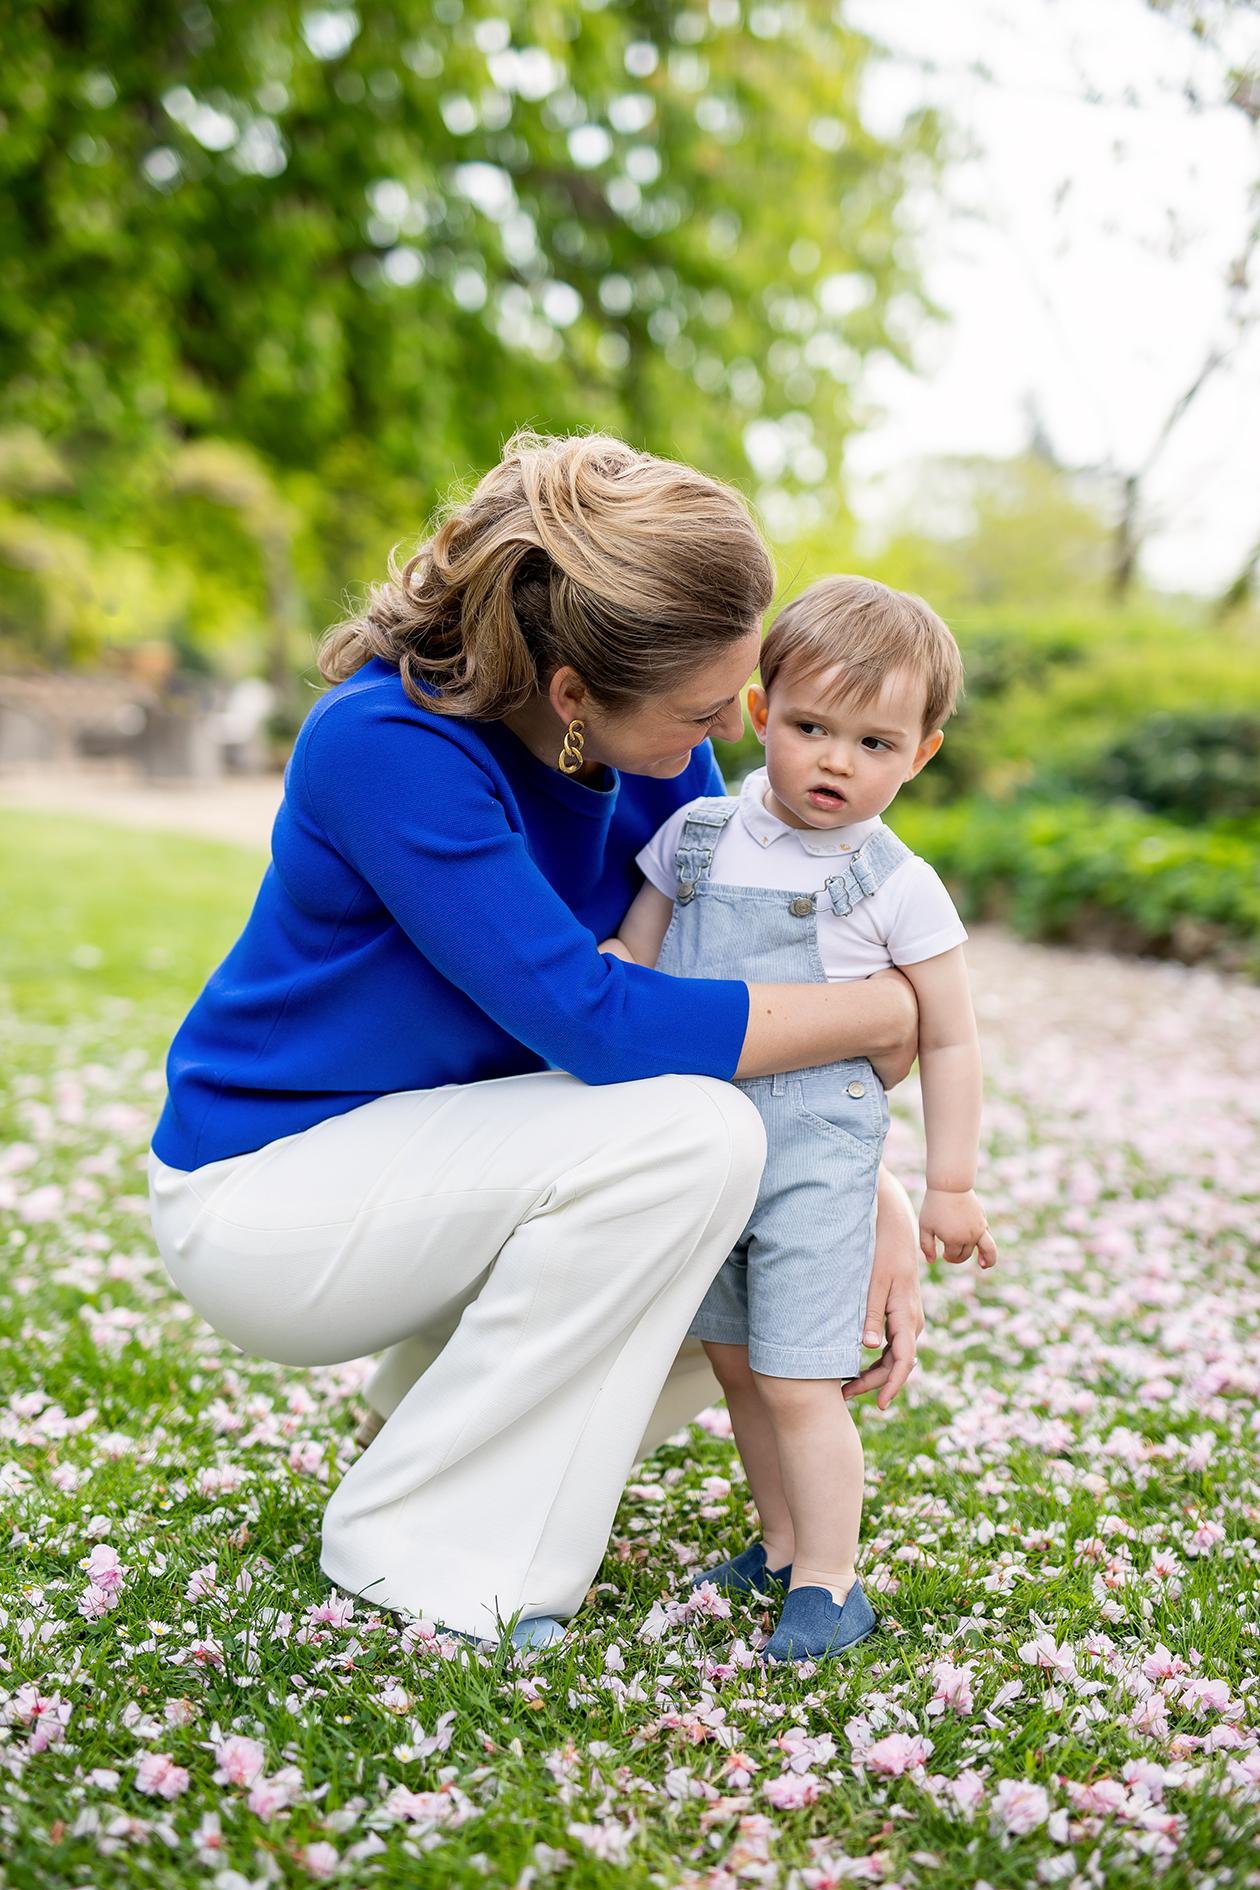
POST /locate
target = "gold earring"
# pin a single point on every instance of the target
(571, 753)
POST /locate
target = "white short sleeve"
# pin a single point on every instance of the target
(922, 920)
(656, 860)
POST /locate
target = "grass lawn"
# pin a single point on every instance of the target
(1061, 1525)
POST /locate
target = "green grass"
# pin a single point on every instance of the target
(96, 910)
(1048, 1455)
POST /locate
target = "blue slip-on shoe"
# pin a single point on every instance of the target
(813, 1626)
(745, 1572)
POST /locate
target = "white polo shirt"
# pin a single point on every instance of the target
(910, 918)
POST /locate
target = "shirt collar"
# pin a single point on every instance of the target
(766, 827)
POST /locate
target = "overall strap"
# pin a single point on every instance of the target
(865, 871)
(701, 830)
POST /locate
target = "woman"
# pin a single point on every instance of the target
(416, 1111)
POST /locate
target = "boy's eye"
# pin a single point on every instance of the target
(807, 728)
(873, 742)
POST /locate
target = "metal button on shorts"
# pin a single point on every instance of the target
(855, 1089)
(801, 908)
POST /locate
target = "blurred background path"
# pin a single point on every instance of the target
(240, 810)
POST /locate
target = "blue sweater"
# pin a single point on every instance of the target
(431, 914)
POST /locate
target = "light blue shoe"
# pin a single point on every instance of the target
(542, 1630)
(814, 1627)
(745, 1571)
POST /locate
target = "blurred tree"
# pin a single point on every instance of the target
(1018, 533)
(234, 477)
(1229, 26)
(1226, 29)
(366, 241)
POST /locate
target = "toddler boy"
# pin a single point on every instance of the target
(797, 878)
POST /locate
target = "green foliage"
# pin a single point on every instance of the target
(364, 245)
(65, 599)
(1009, 533)
(1075, 870)
(1192, 764)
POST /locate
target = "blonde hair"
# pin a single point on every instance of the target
(578, 551)
(868, 630)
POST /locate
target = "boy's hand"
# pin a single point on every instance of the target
(958, 1221)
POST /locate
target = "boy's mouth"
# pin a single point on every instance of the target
(825, 797)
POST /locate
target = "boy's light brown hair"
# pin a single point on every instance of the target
(869, 631)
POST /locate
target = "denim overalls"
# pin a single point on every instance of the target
(794, 1287)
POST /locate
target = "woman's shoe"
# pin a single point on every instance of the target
(745, 1572)
(814, 1627)
(542, 1630)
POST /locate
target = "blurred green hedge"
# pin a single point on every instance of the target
(1091, 874)
(1190, 763)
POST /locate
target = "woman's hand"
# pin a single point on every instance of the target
(893, 1064)
(894, 1304)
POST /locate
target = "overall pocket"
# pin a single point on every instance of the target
(849, 1106)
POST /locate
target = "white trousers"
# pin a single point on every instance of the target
(528, 1253)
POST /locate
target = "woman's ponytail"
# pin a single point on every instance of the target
(578, 551)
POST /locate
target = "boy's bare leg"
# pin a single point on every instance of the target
(758, 1449)
(821, 1467)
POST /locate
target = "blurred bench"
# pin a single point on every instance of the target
(185, 729)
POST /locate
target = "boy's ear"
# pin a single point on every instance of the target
(925, 751)
(758, 709)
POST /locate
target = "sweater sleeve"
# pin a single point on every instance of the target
(419, 820)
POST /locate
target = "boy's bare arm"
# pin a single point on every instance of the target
(949, 1072)
(642, 932)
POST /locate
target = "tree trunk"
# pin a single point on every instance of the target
(1124, 548)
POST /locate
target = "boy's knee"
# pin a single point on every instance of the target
(730, 1366)
(797, 1398)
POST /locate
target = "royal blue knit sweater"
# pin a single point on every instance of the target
(431, 914)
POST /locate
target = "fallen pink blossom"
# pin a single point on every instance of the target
(158, 1774)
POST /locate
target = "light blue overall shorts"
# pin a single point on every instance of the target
(794, 1288)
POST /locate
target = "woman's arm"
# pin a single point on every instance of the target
(793, 1026)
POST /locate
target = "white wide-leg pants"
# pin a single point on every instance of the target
(528, 1253)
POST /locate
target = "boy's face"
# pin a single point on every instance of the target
(830, 763)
